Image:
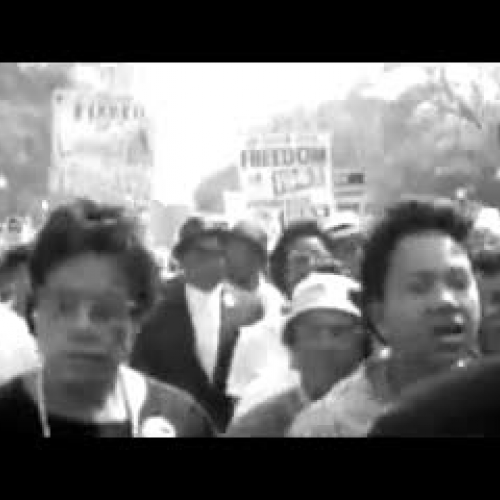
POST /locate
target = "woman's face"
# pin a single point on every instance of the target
(429, 314)
(348, 250)
(83, 320)
(327, 346)
(302, 256)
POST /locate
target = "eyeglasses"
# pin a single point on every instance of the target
(101, 309)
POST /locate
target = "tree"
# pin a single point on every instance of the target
(441, 132)
(25, 146)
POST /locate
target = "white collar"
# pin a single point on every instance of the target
(196, 292)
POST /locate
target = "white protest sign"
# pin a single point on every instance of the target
(101, 148)
(292, 172)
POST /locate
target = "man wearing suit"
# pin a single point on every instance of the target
(190, 338)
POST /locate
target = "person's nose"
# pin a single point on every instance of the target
(85, 331)
(83, 319)
(444, 297)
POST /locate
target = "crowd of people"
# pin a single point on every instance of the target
(339, 330)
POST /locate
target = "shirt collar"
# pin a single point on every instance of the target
(198, 293)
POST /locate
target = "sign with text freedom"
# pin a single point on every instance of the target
(101, 148)
(292, 169)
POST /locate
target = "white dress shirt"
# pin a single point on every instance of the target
(204, 309)
(18, 348)
(260, 366)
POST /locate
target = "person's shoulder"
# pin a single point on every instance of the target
(460, 402)
(277, 402)
(269, 418)
(349, 388)
(265, 386)
(321, 417)
(181, 408)
(242, 307)
(170, 393)
(311, 421)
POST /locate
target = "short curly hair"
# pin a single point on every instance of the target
(86, 226)
(295, 231)
(486, 261)
(406, 218)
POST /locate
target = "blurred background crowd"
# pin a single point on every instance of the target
(341, 278)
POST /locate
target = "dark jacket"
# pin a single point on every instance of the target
(157, 410)
(166, 348)
(465, 402)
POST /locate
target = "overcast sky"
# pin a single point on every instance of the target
(202, 111)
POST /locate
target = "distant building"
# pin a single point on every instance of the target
(350, 191)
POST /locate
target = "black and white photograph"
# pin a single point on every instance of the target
(249, 249)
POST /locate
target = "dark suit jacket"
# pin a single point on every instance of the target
(166, 348)
(461, 403)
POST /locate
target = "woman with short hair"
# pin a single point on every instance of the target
(302, 248)
(93, 283)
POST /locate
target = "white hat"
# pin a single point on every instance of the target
(323, 291)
